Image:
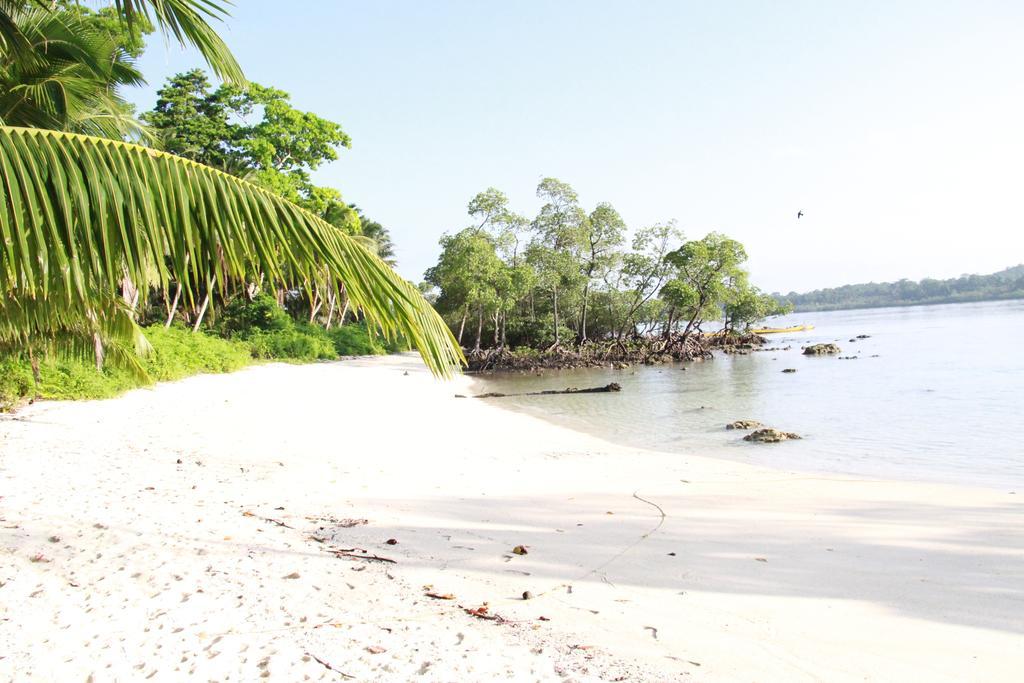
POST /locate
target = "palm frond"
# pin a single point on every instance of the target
(79, 214)
(186, 22)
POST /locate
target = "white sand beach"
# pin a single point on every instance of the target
(212, 529)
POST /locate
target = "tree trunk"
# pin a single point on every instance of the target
(130, 293)
(97, 349)
(315, 305)
(173, 308)
(36, 375)
(497, 317)
(554, 292)
(479, 327)
(202, 312)
(671, 320)
(344, 312)
(504, 324)
(583, 315)
(330, 308)
(462, 325)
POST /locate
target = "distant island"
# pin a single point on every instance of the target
(1006, 284)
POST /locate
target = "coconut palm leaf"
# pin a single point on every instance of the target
(184, 21)
(79, 215)
(67, 77)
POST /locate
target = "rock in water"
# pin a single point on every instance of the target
(769, 435)
(744, 424)
(821, 350)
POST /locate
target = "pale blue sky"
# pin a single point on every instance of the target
(897, 127)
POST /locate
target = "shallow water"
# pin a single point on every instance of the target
(935, 394)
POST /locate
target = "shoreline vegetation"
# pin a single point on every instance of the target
(1005, 285)
(249, 332)
(620, 355)
(568, 289)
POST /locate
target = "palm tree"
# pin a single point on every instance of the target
(67, 76)
(185, 21)
(85, 220)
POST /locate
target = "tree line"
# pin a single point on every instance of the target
(1006, 284)
(568, 276)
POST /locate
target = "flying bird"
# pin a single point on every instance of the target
(799, 214)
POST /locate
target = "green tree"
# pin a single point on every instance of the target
(704, 270)
(601, 233)
(467, 273)
(559, 228)
(644, 271)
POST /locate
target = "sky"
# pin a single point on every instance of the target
(897, 128)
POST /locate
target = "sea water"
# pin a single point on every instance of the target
(935, 393)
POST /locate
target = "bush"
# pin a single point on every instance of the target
(15, 382)
(243, 317)
(294, 344)
(355, 340)
(177, 353)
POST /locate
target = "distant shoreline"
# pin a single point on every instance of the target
(938, 302)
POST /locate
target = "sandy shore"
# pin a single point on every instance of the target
(194, 529)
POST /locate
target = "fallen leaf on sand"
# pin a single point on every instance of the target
(483, 612)
(520, 550)
(392, 541)
(39, 558)
(440, 596)
(761, 559)
(293, 575)
(248, 514)
(376, 649)
(543, 618)
(349, 523)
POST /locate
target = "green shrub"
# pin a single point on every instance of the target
(296, 344)
(354, 340)
(179, 352)
(15, 382)
(243, 317)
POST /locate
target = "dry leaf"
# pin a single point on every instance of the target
(440, 596)
(520, 550)
(376, 649)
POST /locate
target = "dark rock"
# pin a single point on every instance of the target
(769, 435)
(744, 424)
(821, 350)
(790, 370)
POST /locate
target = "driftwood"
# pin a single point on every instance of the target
(606, 389)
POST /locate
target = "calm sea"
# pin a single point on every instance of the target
(936, 393)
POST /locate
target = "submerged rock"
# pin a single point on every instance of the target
(821, 349)
(744, 424)
(769, 435)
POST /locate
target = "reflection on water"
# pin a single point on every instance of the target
(934, 394)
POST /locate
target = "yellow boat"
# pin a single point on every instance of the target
(780, 330)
